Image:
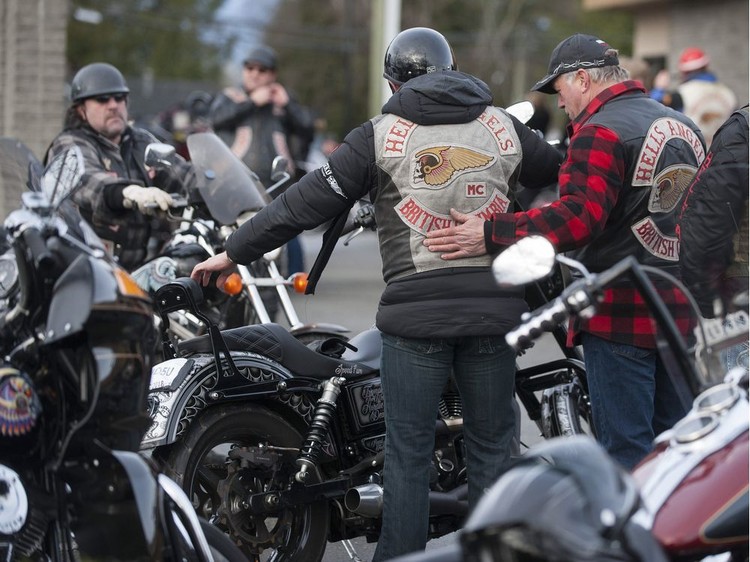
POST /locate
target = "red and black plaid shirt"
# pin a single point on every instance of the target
(590, 180)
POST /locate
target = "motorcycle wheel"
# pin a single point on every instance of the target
(199, 463)
(222, 547)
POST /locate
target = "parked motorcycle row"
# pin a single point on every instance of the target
(148, 418)
(78, 340)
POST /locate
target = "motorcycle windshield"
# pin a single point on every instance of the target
(18, 165)
(227, 186)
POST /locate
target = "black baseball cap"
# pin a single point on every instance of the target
(577, 51)
(263, 56)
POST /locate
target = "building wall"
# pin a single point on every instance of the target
(663, 28)
(32, 78)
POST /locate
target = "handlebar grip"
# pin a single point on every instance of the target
(536, 323)
(40, 254)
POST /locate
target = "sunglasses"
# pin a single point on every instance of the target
(105, 99)
(261, 69)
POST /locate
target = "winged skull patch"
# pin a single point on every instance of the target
(436, 166)
(669, 185)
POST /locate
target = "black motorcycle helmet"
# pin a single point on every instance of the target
(97, 79)
(417, 51)
(567, 501)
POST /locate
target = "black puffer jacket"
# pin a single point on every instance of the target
(445, 302)
(713, 224)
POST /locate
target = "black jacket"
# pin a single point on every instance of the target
(257, 134)
(108, 169)
(447, 302)
(713, 224)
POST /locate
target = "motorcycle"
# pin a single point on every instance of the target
(281, 445)
(225, 195)
(77, 338)
(567, 500)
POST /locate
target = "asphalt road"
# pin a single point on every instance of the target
(348, 294)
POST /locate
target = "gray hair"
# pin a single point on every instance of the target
(605, 74)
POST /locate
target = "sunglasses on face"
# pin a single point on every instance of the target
(105, 99)
(261, 69)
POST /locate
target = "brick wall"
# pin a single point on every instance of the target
(32, 78)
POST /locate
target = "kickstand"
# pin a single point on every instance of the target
(350, 550)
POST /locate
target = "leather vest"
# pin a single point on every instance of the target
(431, 169)
(663, 150)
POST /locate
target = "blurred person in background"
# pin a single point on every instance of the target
(706, 101)
(259, 120)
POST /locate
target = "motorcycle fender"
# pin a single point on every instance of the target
(150, 492)
(173, 382)
(128, 525)
(166, 387)
(145, 492)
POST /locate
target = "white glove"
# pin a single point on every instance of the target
(145, 198)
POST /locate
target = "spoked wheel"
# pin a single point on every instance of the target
(232, 452)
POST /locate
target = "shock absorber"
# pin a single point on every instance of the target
(324, 411)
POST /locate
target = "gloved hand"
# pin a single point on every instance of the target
(146, 199)
(365, 216)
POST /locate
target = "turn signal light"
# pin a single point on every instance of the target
(127, 285)
(233, 284)
(299, 282)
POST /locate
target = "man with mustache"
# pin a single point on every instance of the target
(118, 192)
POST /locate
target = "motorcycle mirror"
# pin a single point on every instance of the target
(522, 110)
(530, 259)
(159, 155)
(279, 168)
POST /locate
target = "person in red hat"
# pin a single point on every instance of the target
(706, 101)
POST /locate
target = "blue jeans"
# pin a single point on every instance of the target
(295, 256)
(632, 397)
(414, 373)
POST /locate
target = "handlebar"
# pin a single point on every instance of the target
(580, 298)
(534, 324)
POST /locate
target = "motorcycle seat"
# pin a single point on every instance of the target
(275, 342)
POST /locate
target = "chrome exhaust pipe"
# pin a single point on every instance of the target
(365, 500)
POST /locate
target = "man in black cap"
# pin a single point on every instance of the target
(628, 161)
(258, 120)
